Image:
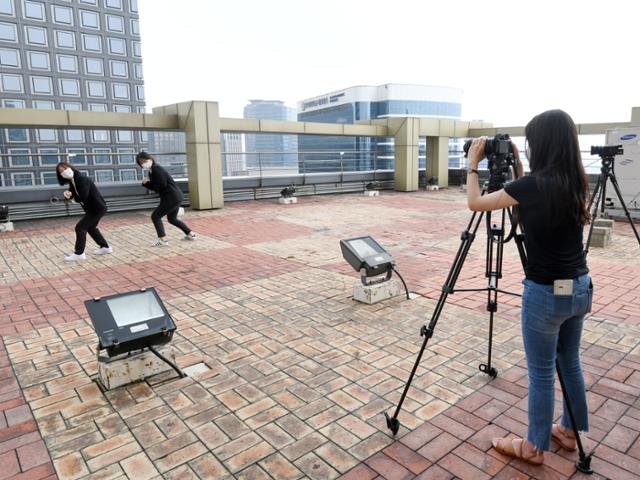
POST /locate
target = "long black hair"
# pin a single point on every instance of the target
(65, 165)
(555, 160)
(142, 156)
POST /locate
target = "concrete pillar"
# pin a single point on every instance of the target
(438, 160)
(406, 161)
(201, 124)
(635, 115)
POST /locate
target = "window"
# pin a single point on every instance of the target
(95, 89)
(47, 135)
(125, 136)
(43, 104)
(76, 156)
(74, 136)
(97, 107)
(6, 7)
(140, 93)
(75, 106)
(128, 175)
(67, 63)
(8, 32)
(135, 27)
(104, 158)
(117, 46)
(34, 10)
(65, 39)
(115, 23)
(101, 136)
(89, 19)
(92, 43)
(9, 103)
(2, 180)
(36, 35)
(126, 156)
(47, 156)
(137, 68)
(89, 2)
(133, 6)
(69, 87)
(9, 58)
(122, 108)
(137, 51)
(103, 176)
(117, 4)
(118, 68)
(120, 90)
(62, 14)
(22, 179)
(94, 66)
(38, 60)
(144, 136)
(49, 178)
(41, 86)
(11, 83)
(20, 157)
(17, 135)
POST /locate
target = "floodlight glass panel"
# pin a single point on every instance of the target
(362, 248)
(134, 308)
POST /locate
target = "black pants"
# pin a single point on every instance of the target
(89, 224)
(169, 206)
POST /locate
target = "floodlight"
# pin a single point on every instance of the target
(131, 321)
(369, 258)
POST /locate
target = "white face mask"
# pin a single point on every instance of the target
(147, 164)
(67, 173)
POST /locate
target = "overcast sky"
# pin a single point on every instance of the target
(513, 59)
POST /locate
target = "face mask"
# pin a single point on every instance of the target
(67, 173)
(147, 164)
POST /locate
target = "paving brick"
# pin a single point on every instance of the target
(9, 465)
(139, 467)
(70, 467)
(406, 457)
(337, 457)
(439, 447)
(248, 457)
(179, 457)
(314, 468)
(32, 455)
(388, 468)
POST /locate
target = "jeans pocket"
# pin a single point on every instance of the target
(560, 306)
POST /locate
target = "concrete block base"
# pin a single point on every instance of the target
(379, 292)
(287, 200)
(124, 369)
(371, 193)
(601, 237)
(432, 188)
(6, 227)
(604, 222)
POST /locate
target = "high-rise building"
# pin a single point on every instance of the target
(368, 103)
(270, 152)
(70, 55)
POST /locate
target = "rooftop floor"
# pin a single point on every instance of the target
(299, 373)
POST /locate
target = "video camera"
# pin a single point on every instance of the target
(607, 151)
(499, 151)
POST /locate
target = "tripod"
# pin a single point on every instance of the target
(599, 196)
(493, 272)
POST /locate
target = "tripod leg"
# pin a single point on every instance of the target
(426, 331)
(596, 193)
(584, 463)
(614, 182)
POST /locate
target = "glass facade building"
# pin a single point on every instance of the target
(70, 55)
(368, 103)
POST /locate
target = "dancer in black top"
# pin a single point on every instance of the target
(161, 182)
(85, 192)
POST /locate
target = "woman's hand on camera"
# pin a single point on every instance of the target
(476, 152)
(67, 194)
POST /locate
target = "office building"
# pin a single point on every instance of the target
(70, 55)
(322, 153)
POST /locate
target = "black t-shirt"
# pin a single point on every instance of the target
(553, 252)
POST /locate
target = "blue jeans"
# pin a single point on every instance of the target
(549, 320)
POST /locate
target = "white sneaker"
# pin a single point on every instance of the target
(103, 251)
(161, 243)
(191, 236)
(74, 257)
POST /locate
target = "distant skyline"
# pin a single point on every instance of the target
(511, 59)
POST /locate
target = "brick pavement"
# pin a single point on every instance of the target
(299, 374)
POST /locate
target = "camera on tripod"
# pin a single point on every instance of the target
(499, 151)
(607, 151)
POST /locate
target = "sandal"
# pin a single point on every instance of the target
(513, 448)
(565, 440)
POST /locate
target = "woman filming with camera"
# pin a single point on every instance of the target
(552, 205)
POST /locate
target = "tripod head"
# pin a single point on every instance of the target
(607, 154)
